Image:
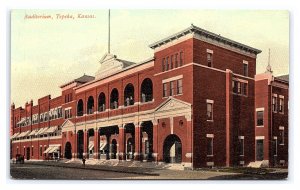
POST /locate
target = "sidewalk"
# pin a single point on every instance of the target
(78, 164)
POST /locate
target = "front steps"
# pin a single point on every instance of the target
(259, 164)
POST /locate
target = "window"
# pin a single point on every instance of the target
(281, 103)
(32, 151)
(275, 146)
(274, 103)
(165, 91)
(244, 89)
(209, 59)
(260, 118)
(41, 151)
(167, 63)
(171, 64)
(240, 88)
(181, 59)
(245, 69)
(163, 64)
(59, 112)
(68, 113)
(210, 145)
(172, 88)
(241, 146)
(176, 60)
(179, 86)
(281, 135)
(180, 123)
(209, 105)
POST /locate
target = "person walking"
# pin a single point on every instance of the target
(83, 161)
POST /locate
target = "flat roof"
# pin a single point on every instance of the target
(202, 32)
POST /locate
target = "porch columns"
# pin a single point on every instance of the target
(96, 143)
(137, 141)
(121, 142)
(155, 140)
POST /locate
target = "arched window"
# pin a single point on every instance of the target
(129, 95)
(80, 108)
(90, 105)
(101, 102)
(146, 90)
(114, 98)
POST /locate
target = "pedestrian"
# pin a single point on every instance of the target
(83, 161)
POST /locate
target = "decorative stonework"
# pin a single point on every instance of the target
(67, 126)
(109, 64)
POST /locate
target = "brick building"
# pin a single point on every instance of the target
(194, 103)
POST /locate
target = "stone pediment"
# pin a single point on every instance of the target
(109, 64)
(67, 126)
(173, 104)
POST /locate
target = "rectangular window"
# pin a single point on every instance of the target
(165, 91)
(209, 59)
(241, 145)
(41, 151)
(260, 118)
(179, 86)
(209, 111)
(32, 151)
(181, 59)
(245, 89)
(239, 88)
(281, 103)
(281, 135)
(274, 103)
(176, 60)
(245, 69)
(163, 64)
(171, 62)
(167, 63)
(172, 88)
(210, 146)
(275, 146)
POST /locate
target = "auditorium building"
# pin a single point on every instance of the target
(197, 103)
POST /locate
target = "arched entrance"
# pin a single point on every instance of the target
(113, 149)
(129, 149)
(68, 150)
(172, 151)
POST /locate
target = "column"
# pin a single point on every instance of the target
(228, 116)
(155, 140)
(74, 148)
(189, 150)
(96, 143)
(121, 142)
(137, 141)
(85, 139)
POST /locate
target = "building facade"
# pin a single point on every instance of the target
(194, 103)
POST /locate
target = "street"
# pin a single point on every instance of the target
(37, 171)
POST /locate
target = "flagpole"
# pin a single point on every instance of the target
(109, 31)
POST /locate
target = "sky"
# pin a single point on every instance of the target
(46, 53)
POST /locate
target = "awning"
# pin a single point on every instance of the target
(21, 121)
(41, 131)
(52, 148)
(14, 135)
(23, 134)
(91, 145)
(102, 145)
(33, 132)
(51, 130)
(48, 149)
